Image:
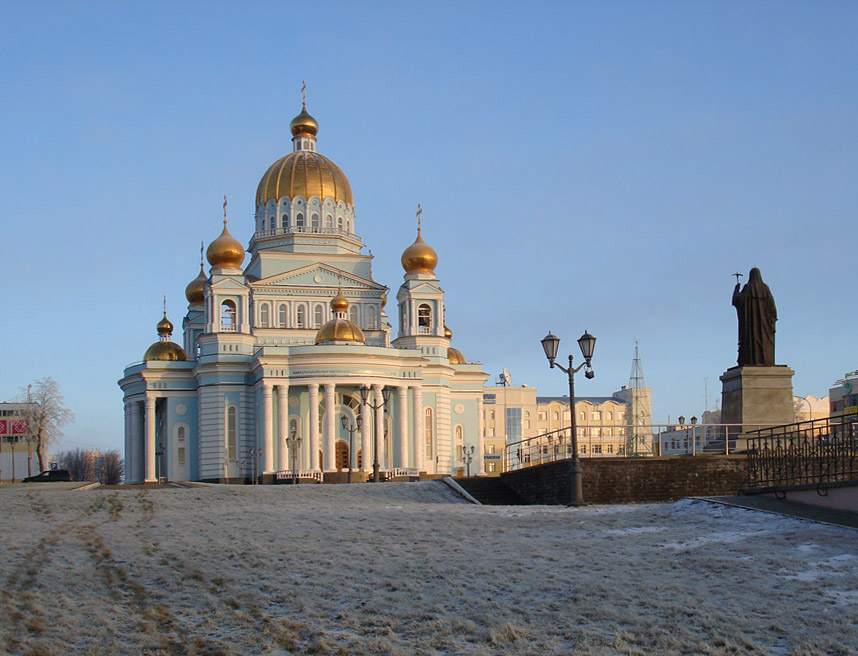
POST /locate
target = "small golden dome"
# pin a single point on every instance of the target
(419, 257)
(165, 326)
(339, 303)
(195, 291)
(225, 251)
(383, 299)
(455, 356)
(340, 330)
(304, 124)
(165, 351)
(447, 332)
(304, 173)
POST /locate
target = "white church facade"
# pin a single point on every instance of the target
(275, 352)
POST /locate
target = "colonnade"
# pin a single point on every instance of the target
(140, 440)
(407, 434)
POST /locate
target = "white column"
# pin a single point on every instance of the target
(282, 426)
(481, 441)
(137, 440)
(417, 402)
(366, 438)
(402, 417)
(267, 430)
(378, 400)
(314, 425)
(329, 449)
(149, 472)
(128, 456)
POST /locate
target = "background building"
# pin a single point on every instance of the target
(18, 445)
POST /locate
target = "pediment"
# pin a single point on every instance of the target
(318, 275)
(227, 284)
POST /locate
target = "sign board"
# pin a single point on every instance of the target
(55, 465)
(492, 457)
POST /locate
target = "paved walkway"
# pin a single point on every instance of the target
(791, 509)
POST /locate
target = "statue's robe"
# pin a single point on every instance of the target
(757, 314)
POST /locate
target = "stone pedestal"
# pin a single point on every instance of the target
(756, 396)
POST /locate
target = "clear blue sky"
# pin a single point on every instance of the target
(599, 166)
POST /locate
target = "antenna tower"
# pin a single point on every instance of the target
(638, 435)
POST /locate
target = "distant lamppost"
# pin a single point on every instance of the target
(693, 436)
(550, 344)
(253, 460)
(364, 397)
(294, 443)
(158, 465)
(468, 458)
(351, 428)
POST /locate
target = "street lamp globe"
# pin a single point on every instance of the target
(551, 343)
(364, 393)
(587, 343)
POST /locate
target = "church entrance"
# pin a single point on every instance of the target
(342, 455)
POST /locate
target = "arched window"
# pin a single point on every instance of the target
(314, 222)
(340, 222)
(263, 225)
(299, 145)
(231, 434)
(353, 313)
(329, 221)
(299, 220)
(429, 430)
(284, 221)
(318, 315)
(424, 318)
(460, 442)
(301, 317)
(610, 416)
(180, 434)
(371, 318)
(228, 316)
(263, 315)
(282, 315)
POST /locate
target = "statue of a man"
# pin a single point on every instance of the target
(755, 307)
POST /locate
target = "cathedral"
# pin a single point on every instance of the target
(288, 366)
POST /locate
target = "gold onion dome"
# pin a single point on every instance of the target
(225, 251)
(420, 257)
(340, 329)
(304, 124)
(455, 356)
(447, 332)
(195, 291)
(164, 349)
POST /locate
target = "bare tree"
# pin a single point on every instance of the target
(46, 413)
(112, 468)
(80, 464)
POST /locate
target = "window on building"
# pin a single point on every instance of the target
(567, 415)
(228, 316)
(282, 315)
(513, 424)
(424, 318)
(180, 434)
(180, 456)
(429, 431)
(597, 415)
(491, 431)
(610, 448)
(329, 221)
(582, 448)
(314, 222)
(527, 423)
(299, 220)
(262, 225)
(231, 434)
(491, 414)
(263, 315)
(609, 416)
(371, 318)
(597, 448)
(318, 316)
(353, 314)
(491, 467)
(621, 449)
(582, 416)
(555, 415)
(542, 416)
(284, 221)
(490, 449)
(301, 317)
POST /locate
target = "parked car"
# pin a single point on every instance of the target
(50, 476)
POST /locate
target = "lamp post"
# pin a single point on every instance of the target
(468, 458)
(550, 344)
(253, 460)
(159, 454)
(351, 428)
(364, 397)
(294, 443)
(693, 436)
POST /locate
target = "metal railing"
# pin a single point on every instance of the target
(624, 442)
(305, 230)
(806, 453)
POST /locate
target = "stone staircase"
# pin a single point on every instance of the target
(490, 491)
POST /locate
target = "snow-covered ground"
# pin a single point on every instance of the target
(409, 569)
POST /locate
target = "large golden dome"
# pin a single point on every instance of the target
(304, 173)
(420, 257)
(225, 251)
(195, 291)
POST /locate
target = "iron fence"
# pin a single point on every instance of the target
(807, 453)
